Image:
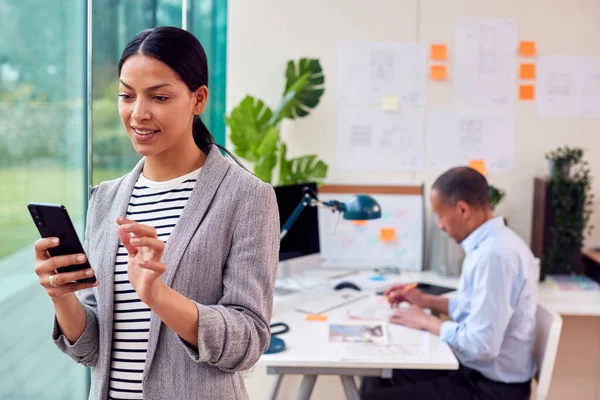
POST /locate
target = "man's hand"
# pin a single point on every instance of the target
(400, 293)
(414, 317)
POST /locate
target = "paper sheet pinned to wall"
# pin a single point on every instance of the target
(370, 139)
(485, 58)
(455, 136)
(368, 71)
(568, 87)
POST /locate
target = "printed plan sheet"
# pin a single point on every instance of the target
(568, 87)
(455, 136)
(369, 71)
(369, 138)
(485, 71)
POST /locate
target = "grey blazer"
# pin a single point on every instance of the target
(222, 254)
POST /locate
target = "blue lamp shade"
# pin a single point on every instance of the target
(361, 207)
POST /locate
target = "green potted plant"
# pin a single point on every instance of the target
(255, 134)
(496, 196)
(570, 208)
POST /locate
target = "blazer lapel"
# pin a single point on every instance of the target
(107, 249)
(211, 175)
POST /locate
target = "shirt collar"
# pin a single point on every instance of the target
(479, 234)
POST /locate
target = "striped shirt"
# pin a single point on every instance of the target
(158, 204)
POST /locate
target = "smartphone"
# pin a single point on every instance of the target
(52, 220)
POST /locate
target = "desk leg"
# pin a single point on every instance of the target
(350, 387)
(306, 387)
(275, 388)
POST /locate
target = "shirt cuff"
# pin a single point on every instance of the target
(448, 331)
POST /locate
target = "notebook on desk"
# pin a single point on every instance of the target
(434, 289)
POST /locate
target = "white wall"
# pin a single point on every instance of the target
(264, 34)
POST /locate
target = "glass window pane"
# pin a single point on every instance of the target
(42, 159)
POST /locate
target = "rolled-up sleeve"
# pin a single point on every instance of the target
(480, 335)
(85, 349)
(235, 333)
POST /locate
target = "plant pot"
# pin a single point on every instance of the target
(564, 171)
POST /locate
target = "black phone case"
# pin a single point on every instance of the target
(52, 220)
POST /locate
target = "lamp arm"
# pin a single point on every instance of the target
(307, 201)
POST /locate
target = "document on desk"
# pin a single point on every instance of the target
(402, 343)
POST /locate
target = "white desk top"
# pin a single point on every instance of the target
(583, 304)
(307, 343)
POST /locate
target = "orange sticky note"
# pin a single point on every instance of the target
(526, 92)
(439, 52)
(527, 71)
(387, 234)
(316, 317)
(438, 72)
(527, 48)
(478, 165)
(359, 222)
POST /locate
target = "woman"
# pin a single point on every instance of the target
(185, 246)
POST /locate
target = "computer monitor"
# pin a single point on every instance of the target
(303, 237)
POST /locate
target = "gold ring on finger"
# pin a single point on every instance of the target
(51, 280)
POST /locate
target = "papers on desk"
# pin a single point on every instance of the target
(403, 342)
(359, 332)
(569, 283)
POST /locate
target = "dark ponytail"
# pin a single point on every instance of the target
(184, 54)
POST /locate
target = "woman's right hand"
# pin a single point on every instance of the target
(405, 292)
(60, 284)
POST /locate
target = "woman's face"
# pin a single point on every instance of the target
(156, 106)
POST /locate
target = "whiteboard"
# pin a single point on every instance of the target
(346, 243)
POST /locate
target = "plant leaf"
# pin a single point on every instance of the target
(303, 169)
(267, 155)
(248, 123)
(303, 89)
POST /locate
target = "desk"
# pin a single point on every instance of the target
(577, 367)
(309, 353)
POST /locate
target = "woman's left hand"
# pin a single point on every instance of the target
(145, 251)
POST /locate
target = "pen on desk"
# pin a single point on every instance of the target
(406, 289)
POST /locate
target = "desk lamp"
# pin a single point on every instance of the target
(359, 207)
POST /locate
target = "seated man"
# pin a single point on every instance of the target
(493, 314)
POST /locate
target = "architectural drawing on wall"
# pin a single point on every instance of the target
(568, 87)
(394, 240)
(455, 136)
(368, 71)
(485, 70)
(369, 138)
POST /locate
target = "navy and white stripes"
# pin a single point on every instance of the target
(158, 204)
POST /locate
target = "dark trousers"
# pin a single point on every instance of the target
(463, 384)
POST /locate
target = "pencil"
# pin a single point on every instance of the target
(406, 289)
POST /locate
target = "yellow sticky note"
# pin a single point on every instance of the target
(359, 222)
(527, 71)
(438, 72)
(527, 48)
(439, 52)
(389, 103)
(478, 165)
(526, 92)
(387, 234)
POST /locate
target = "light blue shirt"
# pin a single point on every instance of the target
(493, 317)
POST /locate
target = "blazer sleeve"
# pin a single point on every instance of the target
(234, 334)
(85, 349)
